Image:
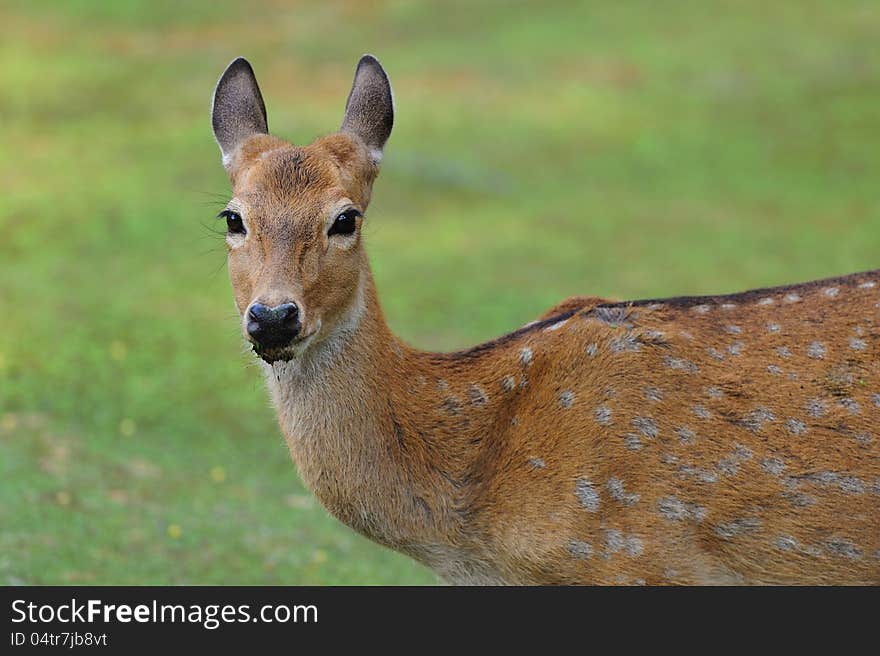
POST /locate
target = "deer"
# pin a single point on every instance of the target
(697, 440)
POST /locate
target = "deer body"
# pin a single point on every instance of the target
(726, 439)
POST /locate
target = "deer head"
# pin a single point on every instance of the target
(296, 257)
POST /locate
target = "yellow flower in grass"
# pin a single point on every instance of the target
(118, 350)
(9, 422)
(218, 474)
(127, 427)
(174, 531)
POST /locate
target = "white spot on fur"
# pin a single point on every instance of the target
(795, 426)
(851, 485)
(603, 415)
(566, 398)
(831, 292)
(587, 494)
(766, 301)
(624, 343)
(647, 426)
(700, 474)
(863, 438)
(714, 392)
(618, 492)
(773, 466)
(773, 327)
(580, 549)
(681, 364)
(715, 353)
(685, 434)
(792, 298)
(477, 395)
(756, 419)
(632, 441)
(616, 541)
(733, 528)
(857, 344)
(816, 350)
(786, 543)
(674, 509)
(653, 394)
(868, 285)
(525, 356)
(730, 464)
(634, 547)
(842, 547)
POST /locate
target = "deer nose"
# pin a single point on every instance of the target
(272, 327)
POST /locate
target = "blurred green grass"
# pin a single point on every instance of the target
(541, 149)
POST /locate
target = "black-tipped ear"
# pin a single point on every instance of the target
(238, 111)
(369, 111)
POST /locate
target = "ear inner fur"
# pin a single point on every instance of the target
(238, 110)
(369, 110)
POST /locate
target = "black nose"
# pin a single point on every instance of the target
(272, 327)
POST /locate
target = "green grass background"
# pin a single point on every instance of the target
(541, 149)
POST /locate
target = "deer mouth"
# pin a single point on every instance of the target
(271, 356)
(285, 353)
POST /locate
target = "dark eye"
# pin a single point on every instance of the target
(234, 224)
(345, 223)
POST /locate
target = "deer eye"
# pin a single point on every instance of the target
(345, 223)
(234, 224)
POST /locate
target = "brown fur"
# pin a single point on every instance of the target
(728, 439)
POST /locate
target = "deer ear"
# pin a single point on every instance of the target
(369, 111)
(238, 109)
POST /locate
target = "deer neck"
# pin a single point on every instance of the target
(353, 428)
